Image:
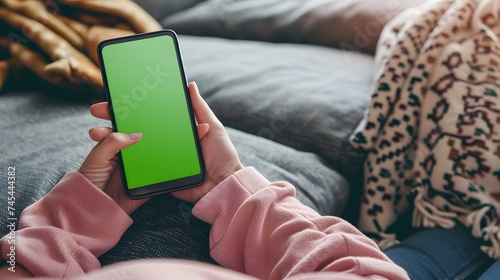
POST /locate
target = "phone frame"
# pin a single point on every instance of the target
(167, 186)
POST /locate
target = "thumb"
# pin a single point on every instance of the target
(112, 144)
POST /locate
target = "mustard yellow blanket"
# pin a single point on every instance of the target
(57, 40)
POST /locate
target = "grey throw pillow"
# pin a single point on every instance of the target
(162, 8)
(346, 24)
(306, 97)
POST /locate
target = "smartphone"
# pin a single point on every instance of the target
(147, 92)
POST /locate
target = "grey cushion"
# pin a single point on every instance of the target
(306, 97)
(162, 8)
(345, 24)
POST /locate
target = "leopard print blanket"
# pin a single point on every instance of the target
(432, 131)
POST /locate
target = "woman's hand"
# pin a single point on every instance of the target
(100, 166)
(220, 156)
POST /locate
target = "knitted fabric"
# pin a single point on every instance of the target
(432, 130)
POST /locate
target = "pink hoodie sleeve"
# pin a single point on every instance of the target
(261, 229)
(62, 234)
(258, 228)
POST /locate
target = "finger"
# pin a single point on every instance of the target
(99, 133)
(112, 144)
(100, 110)
(202, 111)
(202, 130)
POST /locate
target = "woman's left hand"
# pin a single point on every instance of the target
(101, 166)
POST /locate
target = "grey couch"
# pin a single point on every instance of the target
(290, 91)
(288, 108)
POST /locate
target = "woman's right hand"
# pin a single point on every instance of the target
(221, 158)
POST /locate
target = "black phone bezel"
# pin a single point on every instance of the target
(167, 186)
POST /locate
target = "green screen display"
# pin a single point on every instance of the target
(147, 95)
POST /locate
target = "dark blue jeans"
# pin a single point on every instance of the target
(437, 253)
(493, 273)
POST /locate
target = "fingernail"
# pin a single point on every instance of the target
(135, 136)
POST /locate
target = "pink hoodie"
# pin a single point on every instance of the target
(259, 230)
